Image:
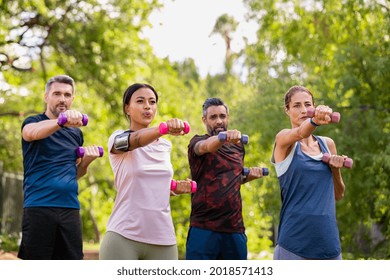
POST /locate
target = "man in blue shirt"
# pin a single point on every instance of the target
(51, 227)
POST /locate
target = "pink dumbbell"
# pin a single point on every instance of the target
(81, 151)
(174, 185)
(62, 119)
(348, 162)
(164, 128)
(335, 116)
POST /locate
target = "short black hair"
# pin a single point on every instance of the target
(213, 101)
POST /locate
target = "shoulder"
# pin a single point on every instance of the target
(198, 138)
(329, 141)
(35, 118)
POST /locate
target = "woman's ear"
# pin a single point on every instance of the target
(127, 110)
(287, 111)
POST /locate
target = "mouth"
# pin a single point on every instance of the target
(219, 129)
(62, 108)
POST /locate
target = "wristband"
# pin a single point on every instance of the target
(313, 123)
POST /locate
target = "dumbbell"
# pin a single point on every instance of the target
(62, 119)
(348, 162)
(174, 185)
(81, 151)
(245, 171)
(335, 116)
(163, 127)
(222, 136)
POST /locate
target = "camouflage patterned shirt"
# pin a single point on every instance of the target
(216, 205)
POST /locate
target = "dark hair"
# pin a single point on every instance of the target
(64, 79)
(213, 102)
(292, 90)
(129, 92)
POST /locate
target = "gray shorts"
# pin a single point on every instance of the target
(282, 254)
(116, 247)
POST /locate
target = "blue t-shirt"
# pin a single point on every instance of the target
(50, 171)
(308, 226)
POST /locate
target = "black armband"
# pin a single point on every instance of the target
(121, 141)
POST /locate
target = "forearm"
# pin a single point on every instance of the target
(82, 168)
(143, 137)
(210, 145)
(40, 130)
(305, 130)
(339, 187)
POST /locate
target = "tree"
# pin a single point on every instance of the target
(340, 50)
(225, 26)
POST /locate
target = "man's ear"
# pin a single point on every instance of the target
(204, 120)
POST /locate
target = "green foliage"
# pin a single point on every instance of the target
(338, 49)
(9, 242)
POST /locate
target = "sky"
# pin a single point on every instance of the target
(182, 29)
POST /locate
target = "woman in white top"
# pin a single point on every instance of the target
(140, 226)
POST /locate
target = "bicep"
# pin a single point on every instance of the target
(284, 140)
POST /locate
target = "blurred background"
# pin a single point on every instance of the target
(339, 49)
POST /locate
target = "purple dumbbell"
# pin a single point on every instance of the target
(335, 116)
(222, 136)
(81, 151)
(245, 171)
(163, 127)
(193, 186)
(348, 162)
(62, 119)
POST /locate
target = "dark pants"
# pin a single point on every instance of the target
(50, 233)
(203, 244)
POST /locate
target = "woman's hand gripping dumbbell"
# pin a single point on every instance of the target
(233, 136)
(174, 127)
(72, 118)
(338, 162)
(96, 151)
(257, 172)
(184, 186)
(334, 116)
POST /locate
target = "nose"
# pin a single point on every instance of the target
(147, 105)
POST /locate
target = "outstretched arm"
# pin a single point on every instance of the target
(212, 144)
